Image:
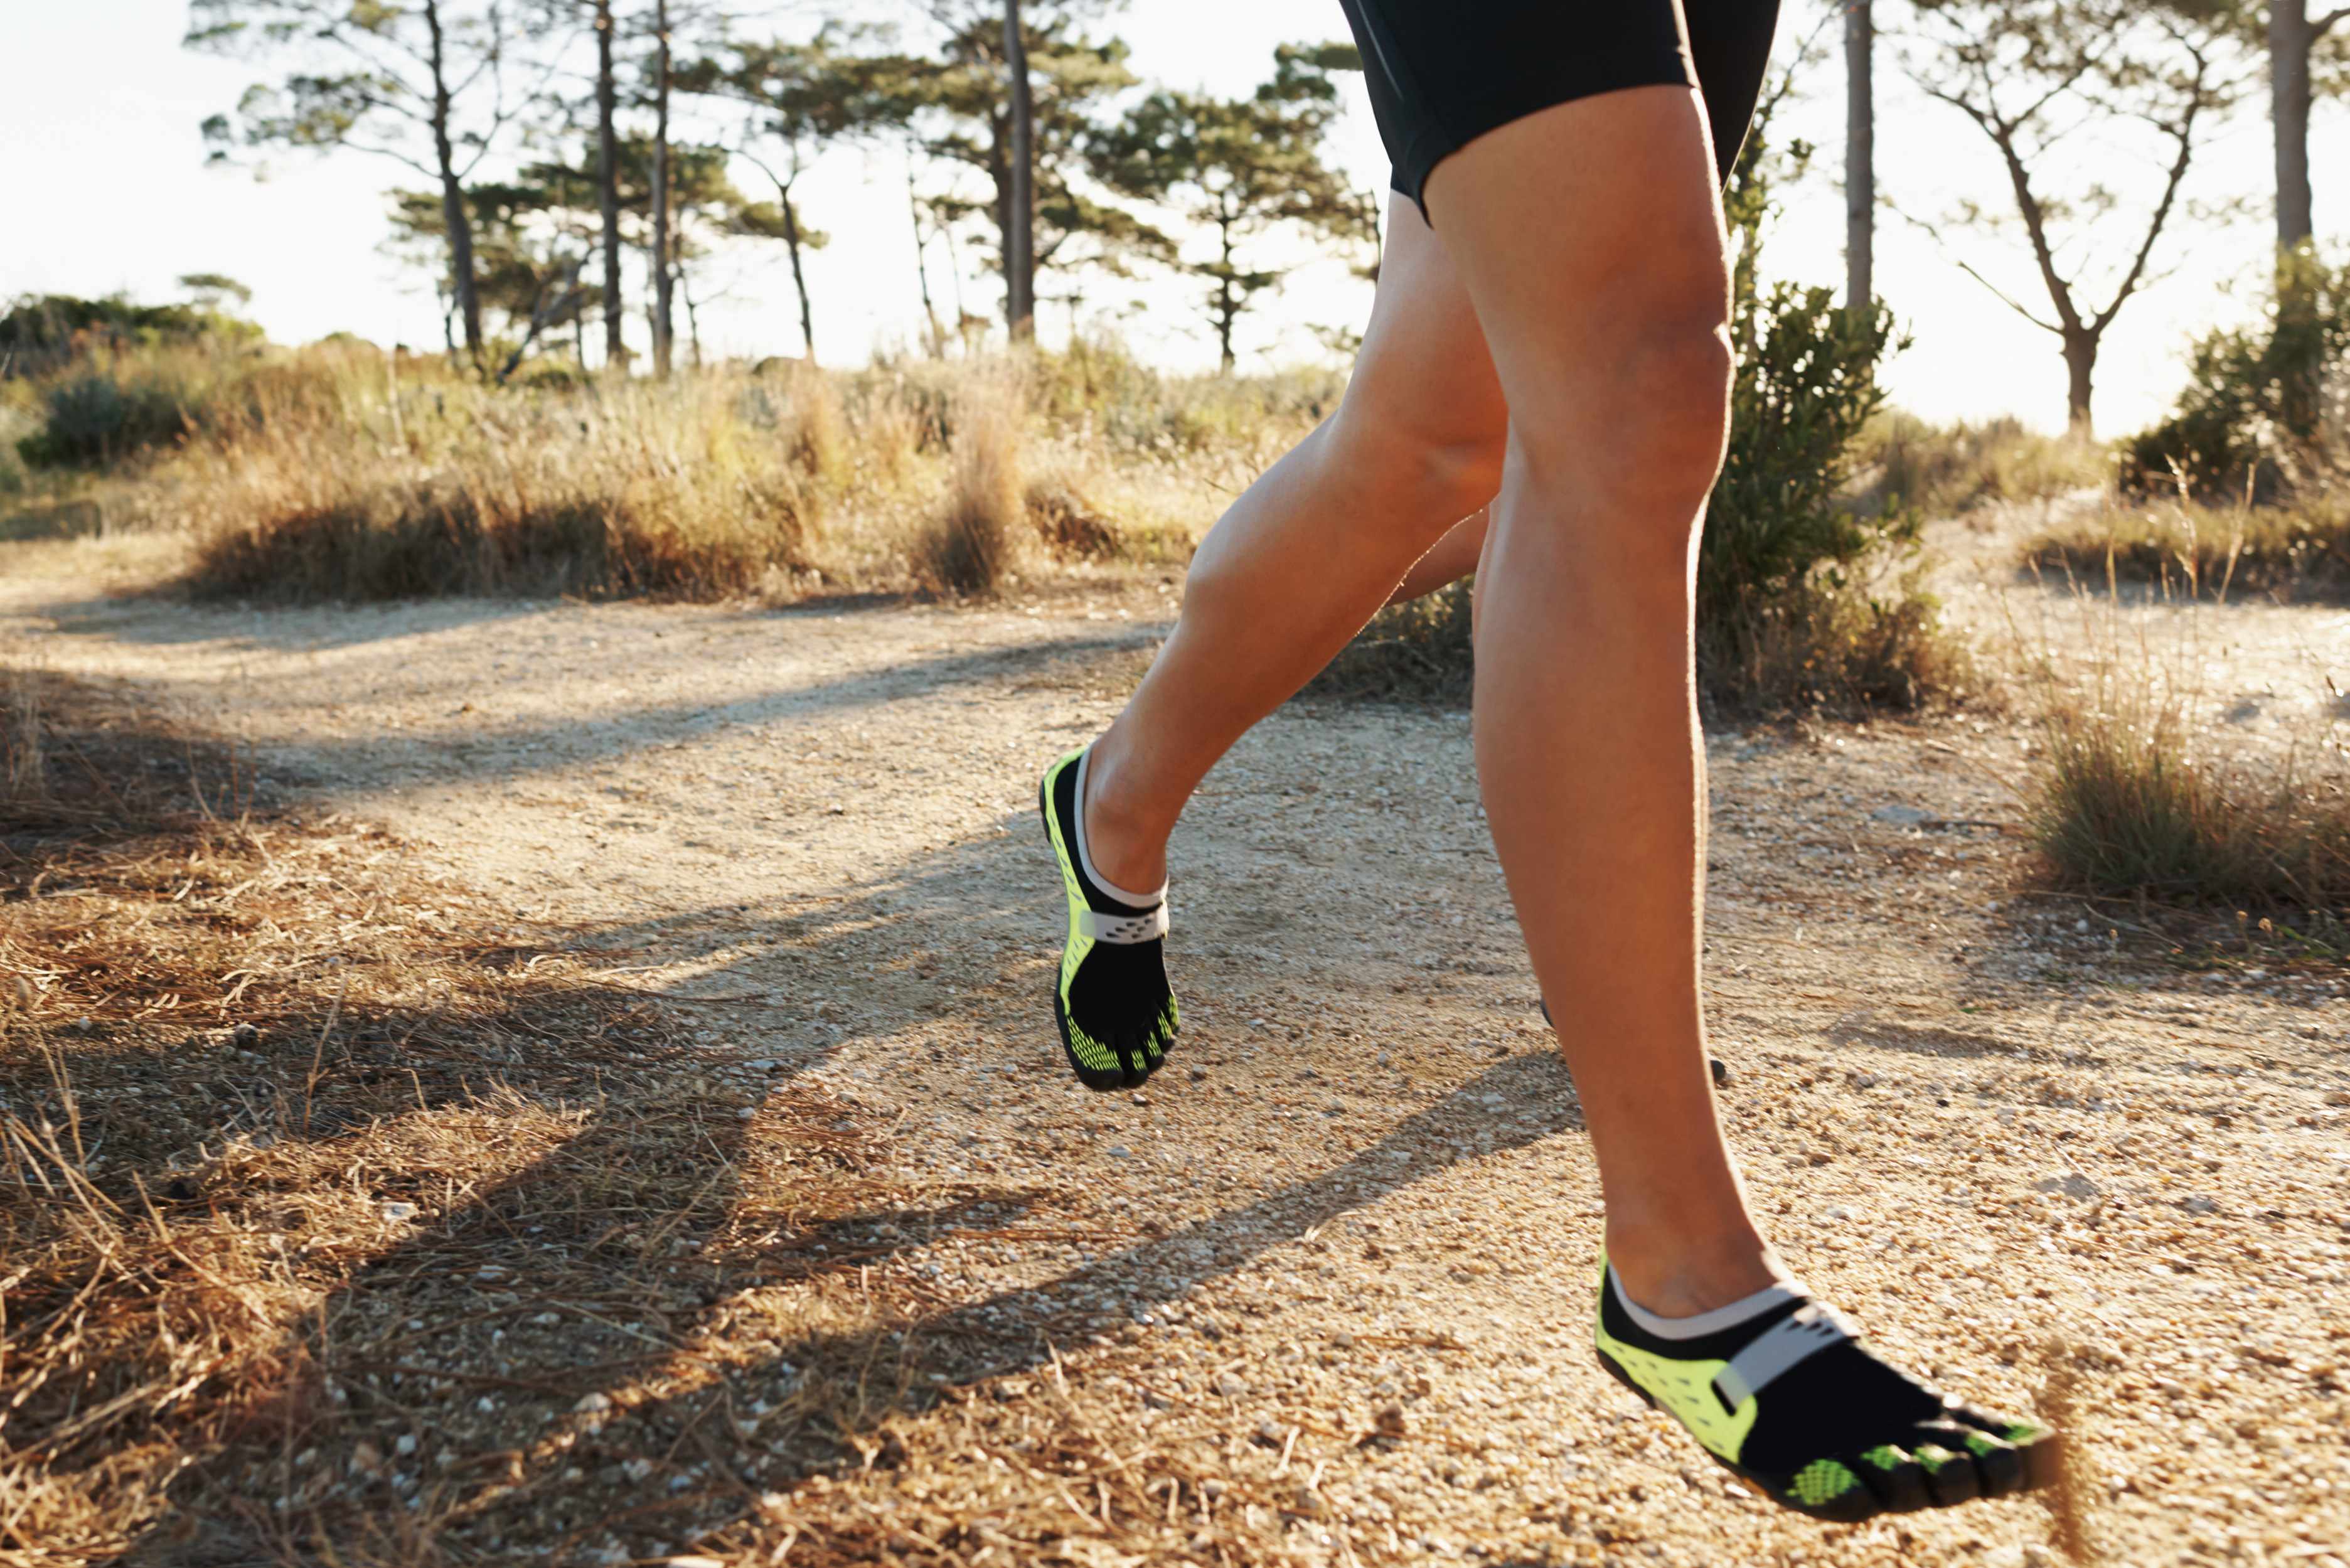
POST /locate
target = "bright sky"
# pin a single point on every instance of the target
(107, 189)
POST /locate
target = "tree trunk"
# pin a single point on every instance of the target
(1019, 234)
(923, 267)
(2290, 38)
(799, 278)
(2079, 367)
(1859, 156)
(1228, 309)
(453, 215)
(608, 189)
(663, 336)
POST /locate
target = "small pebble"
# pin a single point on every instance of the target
(591, 1403)
(1232, 1385)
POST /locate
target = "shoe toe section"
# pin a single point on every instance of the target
(2000, 1464)
(1950, 1474)
(1897, 1479)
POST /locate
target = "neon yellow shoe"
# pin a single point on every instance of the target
(1781, 1391)
(1115, 1011)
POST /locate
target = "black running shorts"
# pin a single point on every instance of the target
(1442, 73)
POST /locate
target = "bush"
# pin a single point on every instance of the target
(40, 333)
(1826, 643)
(1805, 387)
(2263, 406)
(1904, 464)
(92, 415)
(1780, 614)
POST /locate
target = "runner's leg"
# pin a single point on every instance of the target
(1448, 560)
(1589, 237)
(1308, 551)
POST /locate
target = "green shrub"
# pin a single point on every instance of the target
(1806, 388)
(1780, 614)
(2255, 413)
(92, 414)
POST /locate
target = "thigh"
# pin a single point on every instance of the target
(1588, 237)
(1423, 383)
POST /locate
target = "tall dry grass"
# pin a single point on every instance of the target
(981, 535)
(338, 472)
(2296, 549)
(2143, 791)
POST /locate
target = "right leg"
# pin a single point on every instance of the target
(1309, 551)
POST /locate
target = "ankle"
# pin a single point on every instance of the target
(1681, 1275)
(1124, 848)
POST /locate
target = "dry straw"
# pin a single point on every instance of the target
(2137, 793)
(982, 536)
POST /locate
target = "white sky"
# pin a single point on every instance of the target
(105, 189)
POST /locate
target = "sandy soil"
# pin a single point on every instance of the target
(1977, 1121)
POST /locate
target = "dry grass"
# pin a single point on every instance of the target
(981, 535)
(1418, 651)
(2299, 550)
(2139, 794)
(338, 472)
(1835, 647)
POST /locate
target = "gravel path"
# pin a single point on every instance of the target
(1977, 1122)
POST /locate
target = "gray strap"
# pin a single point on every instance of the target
(1123, 929)
(1792, 1339)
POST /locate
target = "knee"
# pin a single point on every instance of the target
(1438, 465)
(1649, 417)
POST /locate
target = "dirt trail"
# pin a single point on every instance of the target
(1975, 1120)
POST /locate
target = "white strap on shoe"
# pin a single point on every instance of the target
(1792, 1340)
(1123, 931)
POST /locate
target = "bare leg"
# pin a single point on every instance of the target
(1309, 551)
(1589, 236)
(1448, 560)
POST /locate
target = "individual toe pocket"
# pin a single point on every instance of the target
(1897, 1479)
(1951, 1473)
(2000, 1464)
